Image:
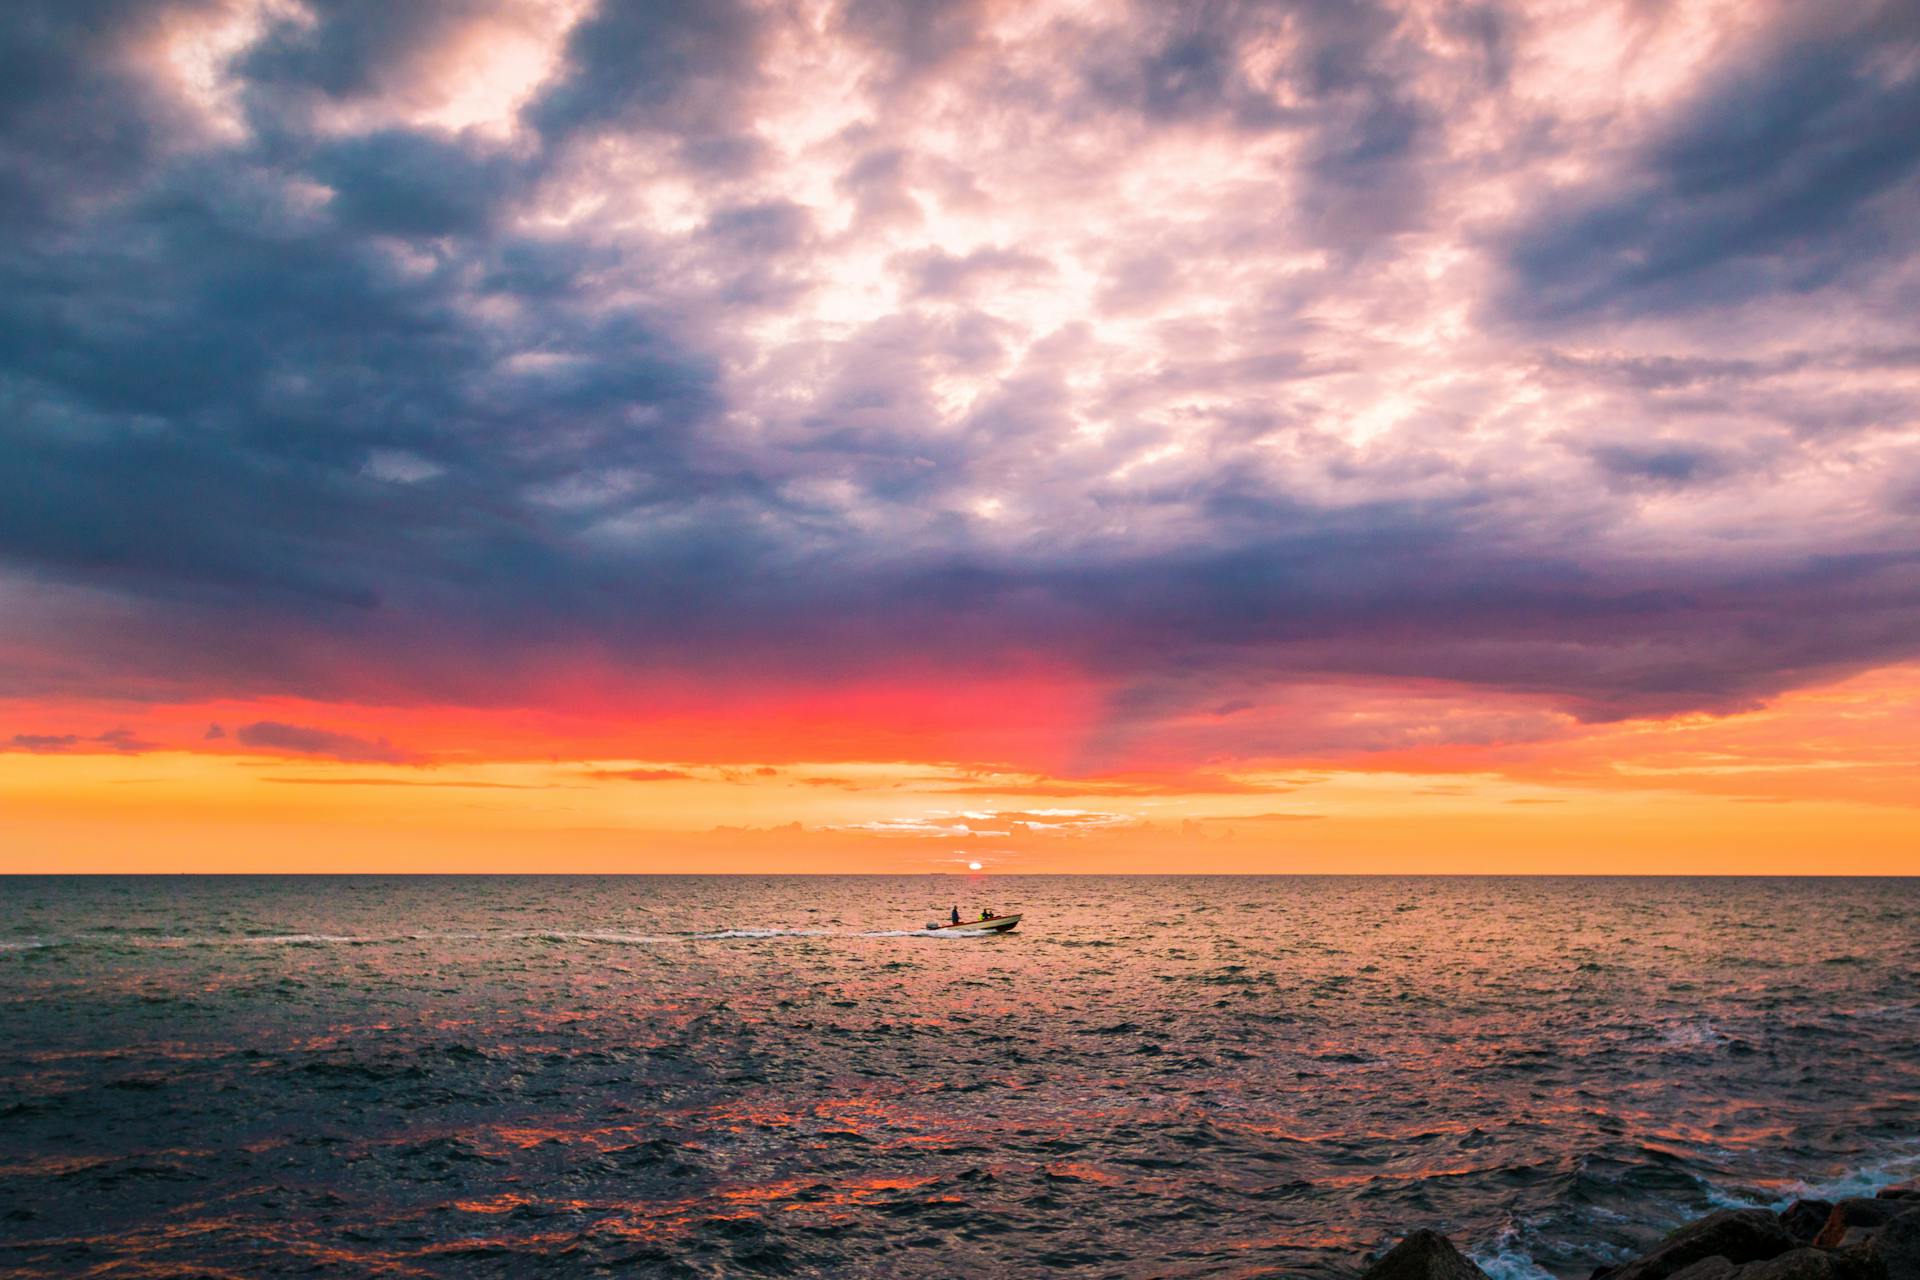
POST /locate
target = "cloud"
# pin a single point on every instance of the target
(44, 742)
(1654, 463)
(452, 783)
(943, 275)
(1768, 178)
(669, 65)
(126, 740)
(941, 824)
(121, 741)
(271, 735)
(641, 775)
(1206, 356)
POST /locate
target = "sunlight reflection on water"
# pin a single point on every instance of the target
(1154, 1076)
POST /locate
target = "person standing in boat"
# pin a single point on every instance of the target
(956, 913)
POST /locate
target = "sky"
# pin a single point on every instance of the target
(880, 435)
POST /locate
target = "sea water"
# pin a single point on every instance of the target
(731, 1076)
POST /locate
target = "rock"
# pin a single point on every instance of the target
(1858, 1263)
(1909, 1191)
(1896, 1246)
(1804, 1218)
(1424, 1255)
(1854, 1220)
(1738, 1235)
(1714, 1268)
(1796, 1264)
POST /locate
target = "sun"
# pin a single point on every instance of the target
(973, 866)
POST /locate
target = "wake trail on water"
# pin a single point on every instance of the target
(182, 942)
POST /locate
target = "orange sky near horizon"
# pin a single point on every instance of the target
(1818, 781)
(1071, 436)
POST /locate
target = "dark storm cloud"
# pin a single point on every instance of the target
(1343, 86)
(406, 184)
(80, 122)
(1767, 181)
(353, 48)
(346, 403)
(203, 375)
(673, 65)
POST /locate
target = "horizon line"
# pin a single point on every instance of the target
(1005, 875)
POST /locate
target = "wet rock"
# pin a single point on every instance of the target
(1714, 1268)
(1852, 1221)
(1908, 1191)
(1738, 1235)
(1804, 1218)
(1424, 1255)
(1896, 1246)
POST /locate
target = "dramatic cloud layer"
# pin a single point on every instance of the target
(1295, 376)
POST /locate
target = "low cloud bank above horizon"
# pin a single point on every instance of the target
(1547, 364)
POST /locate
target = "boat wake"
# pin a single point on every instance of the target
(604, 936)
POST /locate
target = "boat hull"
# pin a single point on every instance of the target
(999, 924)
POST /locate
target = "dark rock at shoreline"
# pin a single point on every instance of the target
(1852, 1221)
(1424, 1255)
(1896, 1246)
(1856, 1239)
(1737, 1235)
(1796, 1264)
(1805, 1218)
(1816, 1264)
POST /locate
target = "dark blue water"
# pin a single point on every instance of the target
(745, 1076)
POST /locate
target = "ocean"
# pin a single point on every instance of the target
(741, 1076)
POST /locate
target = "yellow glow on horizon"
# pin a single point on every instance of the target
(1818, 781)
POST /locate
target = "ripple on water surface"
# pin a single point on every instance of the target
(786, 1076)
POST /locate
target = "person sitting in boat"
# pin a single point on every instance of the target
(986, 913)
(956, 913)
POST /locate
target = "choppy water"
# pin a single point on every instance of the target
(732, 1076)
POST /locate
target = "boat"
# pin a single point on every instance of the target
(998, 924)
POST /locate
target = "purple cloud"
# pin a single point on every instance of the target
(1210, 351)
(123, 741)
(271, 735)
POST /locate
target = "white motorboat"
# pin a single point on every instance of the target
(990, 924)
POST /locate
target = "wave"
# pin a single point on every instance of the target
(180, 942)
(1692, 1034)
(1863, 1181)
(1506, 1259)
(722, 935)
(1510, 1264)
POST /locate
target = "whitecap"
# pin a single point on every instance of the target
(1508, 1260)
